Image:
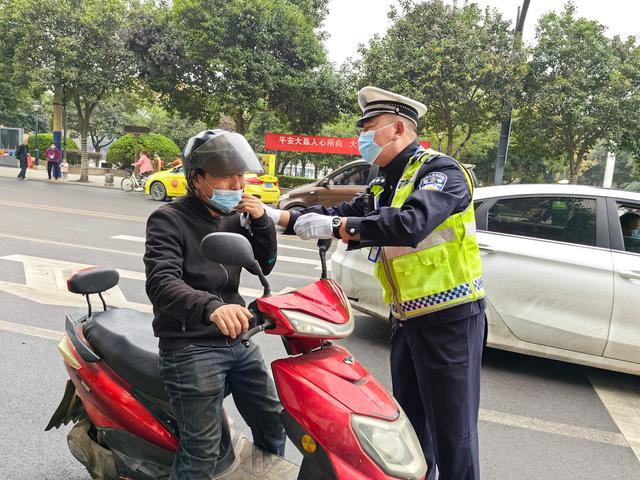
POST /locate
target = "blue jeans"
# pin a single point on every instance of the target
(196, 379)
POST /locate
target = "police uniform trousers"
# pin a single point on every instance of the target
(435, 370)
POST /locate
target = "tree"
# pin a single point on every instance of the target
(454, 59)
(578, 86)
(237, 58)
(74, 46)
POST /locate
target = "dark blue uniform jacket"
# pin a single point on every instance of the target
(440, 190)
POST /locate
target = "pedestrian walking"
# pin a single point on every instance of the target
(53, 162)
(420, 232)
(22, 153)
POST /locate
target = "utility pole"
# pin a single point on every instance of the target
(505, 129)
(36, 108)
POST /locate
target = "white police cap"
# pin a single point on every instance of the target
(375, 101)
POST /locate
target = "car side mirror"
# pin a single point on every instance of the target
(325, 183)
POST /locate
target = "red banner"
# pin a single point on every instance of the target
(305, 143)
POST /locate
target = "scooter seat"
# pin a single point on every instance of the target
(124, 339)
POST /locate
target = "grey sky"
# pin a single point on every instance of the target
(351, 22)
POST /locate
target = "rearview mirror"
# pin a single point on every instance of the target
(228, 249)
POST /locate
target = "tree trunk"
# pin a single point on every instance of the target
(574, 167)
(450, 140)
(84, 160)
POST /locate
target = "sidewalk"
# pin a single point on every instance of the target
(39, 174)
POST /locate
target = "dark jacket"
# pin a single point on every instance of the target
(183, 286)
(440, 190)
(21, 152)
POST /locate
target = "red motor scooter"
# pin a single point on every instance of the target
(343, 421)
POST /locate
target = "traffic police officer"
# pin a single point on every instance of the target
(421, 235)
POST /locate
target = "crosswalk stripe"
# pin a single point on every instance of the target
(620, 395)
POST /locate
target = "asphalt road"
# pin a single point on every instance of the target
(540, 419)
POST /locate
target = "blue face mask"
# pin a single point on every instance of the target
(224, 200)
(369, 149)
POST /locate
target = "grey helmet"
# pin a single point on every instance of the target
(219, 153)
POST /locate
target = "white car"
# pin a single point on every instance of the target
(561, 280)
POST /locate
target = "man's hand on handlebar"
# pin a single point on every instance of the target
(231, 319)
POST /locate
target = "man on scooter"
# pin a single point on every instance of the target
(199, 314)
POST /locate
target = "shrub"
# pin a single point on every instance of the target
(292, 182)
(121, 151)
(44, 141)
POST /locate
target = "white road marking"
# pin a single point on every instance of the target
(545, 426)
(620, 395)
(132, 238)
(31, 331)
(284, 258)
(75, 211)
(70, 245)
(46, 283)
(129, 238)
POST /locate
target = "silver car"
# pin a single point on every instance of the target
(562, 280)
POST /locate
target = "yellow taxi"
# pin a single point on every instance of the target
(171, 183)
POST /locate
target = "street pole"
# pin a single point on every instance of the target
(505, 128)
(36, 107)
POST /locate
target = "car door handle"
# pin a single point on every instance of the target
(312, 192)
(630, 274)
(486, 248)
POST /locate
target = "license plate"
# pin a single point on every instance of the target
(268, 185)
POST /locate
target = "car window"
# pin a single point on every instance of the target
(629, 216)
(563, 219)
(178, 170)
(351, 176)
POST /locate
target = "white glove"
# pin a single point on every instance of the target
(313, 225)
(272, 213)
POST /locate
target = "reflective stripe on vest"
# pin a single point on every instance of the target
(443, 270)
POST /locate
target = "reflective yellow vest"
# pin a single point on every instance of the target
(444, 270)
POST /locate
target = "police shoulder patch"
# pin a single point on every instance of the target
(433, 181)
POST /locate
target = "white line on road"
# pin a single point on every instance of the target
(31, 331)
(75, 211)
(129, 238)
(132, 238)
(545, 426)
(620, 395)
(283, 258)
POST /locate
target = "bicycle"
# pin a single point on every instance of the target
(132, 182)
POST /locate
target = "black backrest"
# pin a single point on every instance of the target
(93, 280)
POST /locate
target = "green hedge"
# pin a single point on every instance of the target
(291, 182)
(44, 141)
(121, 151)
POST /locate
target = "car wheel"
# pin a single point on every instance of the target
(158, 191)
(127, 184)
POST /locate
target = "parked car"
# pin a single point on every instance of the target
(341, 185)
(171, 183)
(562, 281)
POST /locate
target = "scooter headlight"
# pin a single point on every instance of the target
(393, 445)
(310, 326)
